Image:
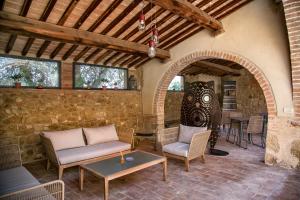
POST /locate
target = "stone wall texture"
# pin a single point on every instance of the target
(26, 112)
(249, 95)
(173, 106)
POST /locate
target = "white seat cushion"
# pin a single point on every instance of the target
(67, 156)
(15, 179)
(186, 133)
(177, 148)
(65, 139)
(100, 134)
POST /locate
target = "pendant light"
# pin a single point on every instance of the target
(154, 36)
(151, 50)
(142, 22)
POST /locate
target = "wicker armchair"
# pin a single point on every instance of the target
(184, 151)
(9, 161)
(255, 126)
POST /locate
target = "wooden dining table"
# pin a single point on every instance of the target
(241, 121)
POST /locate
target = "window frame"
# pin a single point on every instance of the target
(183, 80)
(95, 65)
(35, 59)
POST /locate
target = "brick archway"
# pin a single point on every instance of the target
(161, 91)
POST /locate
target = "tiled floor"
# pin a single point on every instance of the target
(240, 175)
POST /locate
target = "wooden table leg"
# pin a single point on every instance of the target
(81, 177)
(105, 189)
(165, 170)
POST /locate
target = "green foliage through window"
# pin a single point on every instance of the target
(94, 76)
(29, 72)
(177, 84)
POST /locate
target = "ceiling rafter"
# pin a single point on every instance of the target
(136, 30)
(44, 17)
(13, 37)
(11, 23)
(61, 21)
(186, 33)
(97, 23)
(191, 13)
(116, 21)
(79, 22)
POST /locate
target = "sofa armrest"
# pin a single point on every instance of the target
(170, 135)
(126, 136)
(51, 190)
(198, 144)
(10, 156)
(51, 153)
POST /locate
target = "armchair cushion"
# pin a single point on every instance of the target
(177, 148)
(100, 134)
(14, 179)
(67, 156)
(66, 139)
(186, 133)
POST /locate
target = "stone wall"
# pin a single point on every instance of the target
(173, 106)
(249, 95)
(26, 112)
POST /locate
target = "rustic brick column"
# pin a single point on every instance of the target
(66, 75)
(292, 16)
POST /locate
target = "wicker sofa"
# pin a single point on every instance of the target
(17, 183)
(84, 145)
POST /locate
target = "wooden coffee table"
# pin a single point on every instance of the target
(112, 168)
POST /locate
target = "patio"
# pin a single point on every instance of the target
(240, 175)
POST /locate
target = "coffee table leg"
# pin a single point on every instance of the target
(105, 189)
(165, 170)
(81, 174)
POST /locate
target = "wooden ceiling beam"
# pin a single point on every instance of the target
(44, 17)
(93, 27)
(180, 38)
(61, 21)
(218, 67)
(15, 24)
(191, 13)
(13, 37)
(79, 22)
(118, 19)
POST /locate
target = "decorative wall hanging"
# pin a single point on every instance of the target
(200, 107)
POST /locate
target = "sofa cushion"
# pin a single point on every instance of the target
(100, 134)
(66, 139)
(15, 179)
(177, 148)
(91, 151)
(186, 132)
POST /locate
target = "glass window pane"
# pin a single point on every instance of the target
(177, 84)
(29, 72)
(93, 76)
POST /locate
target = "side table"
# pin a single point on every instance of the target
(140, 136)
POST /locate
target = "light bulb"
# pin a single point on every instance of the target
(142, 23)
(151, 50)
(154, 36)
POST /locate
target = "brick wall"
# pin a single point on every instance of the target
(292, 15)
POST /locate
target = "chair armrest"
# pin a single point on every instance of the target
(51, 190)
(51, 153)
(10, 156)
(170, 135)
(126, 136)
(198, 144)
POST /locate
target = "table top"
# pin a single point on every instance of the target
(113, 168)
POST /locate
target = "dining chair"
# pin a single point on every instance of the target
(234, 127)
(255, 126)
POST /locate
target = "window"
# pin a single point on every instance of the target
(95, 76)
(177, 84)
(29, 72)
